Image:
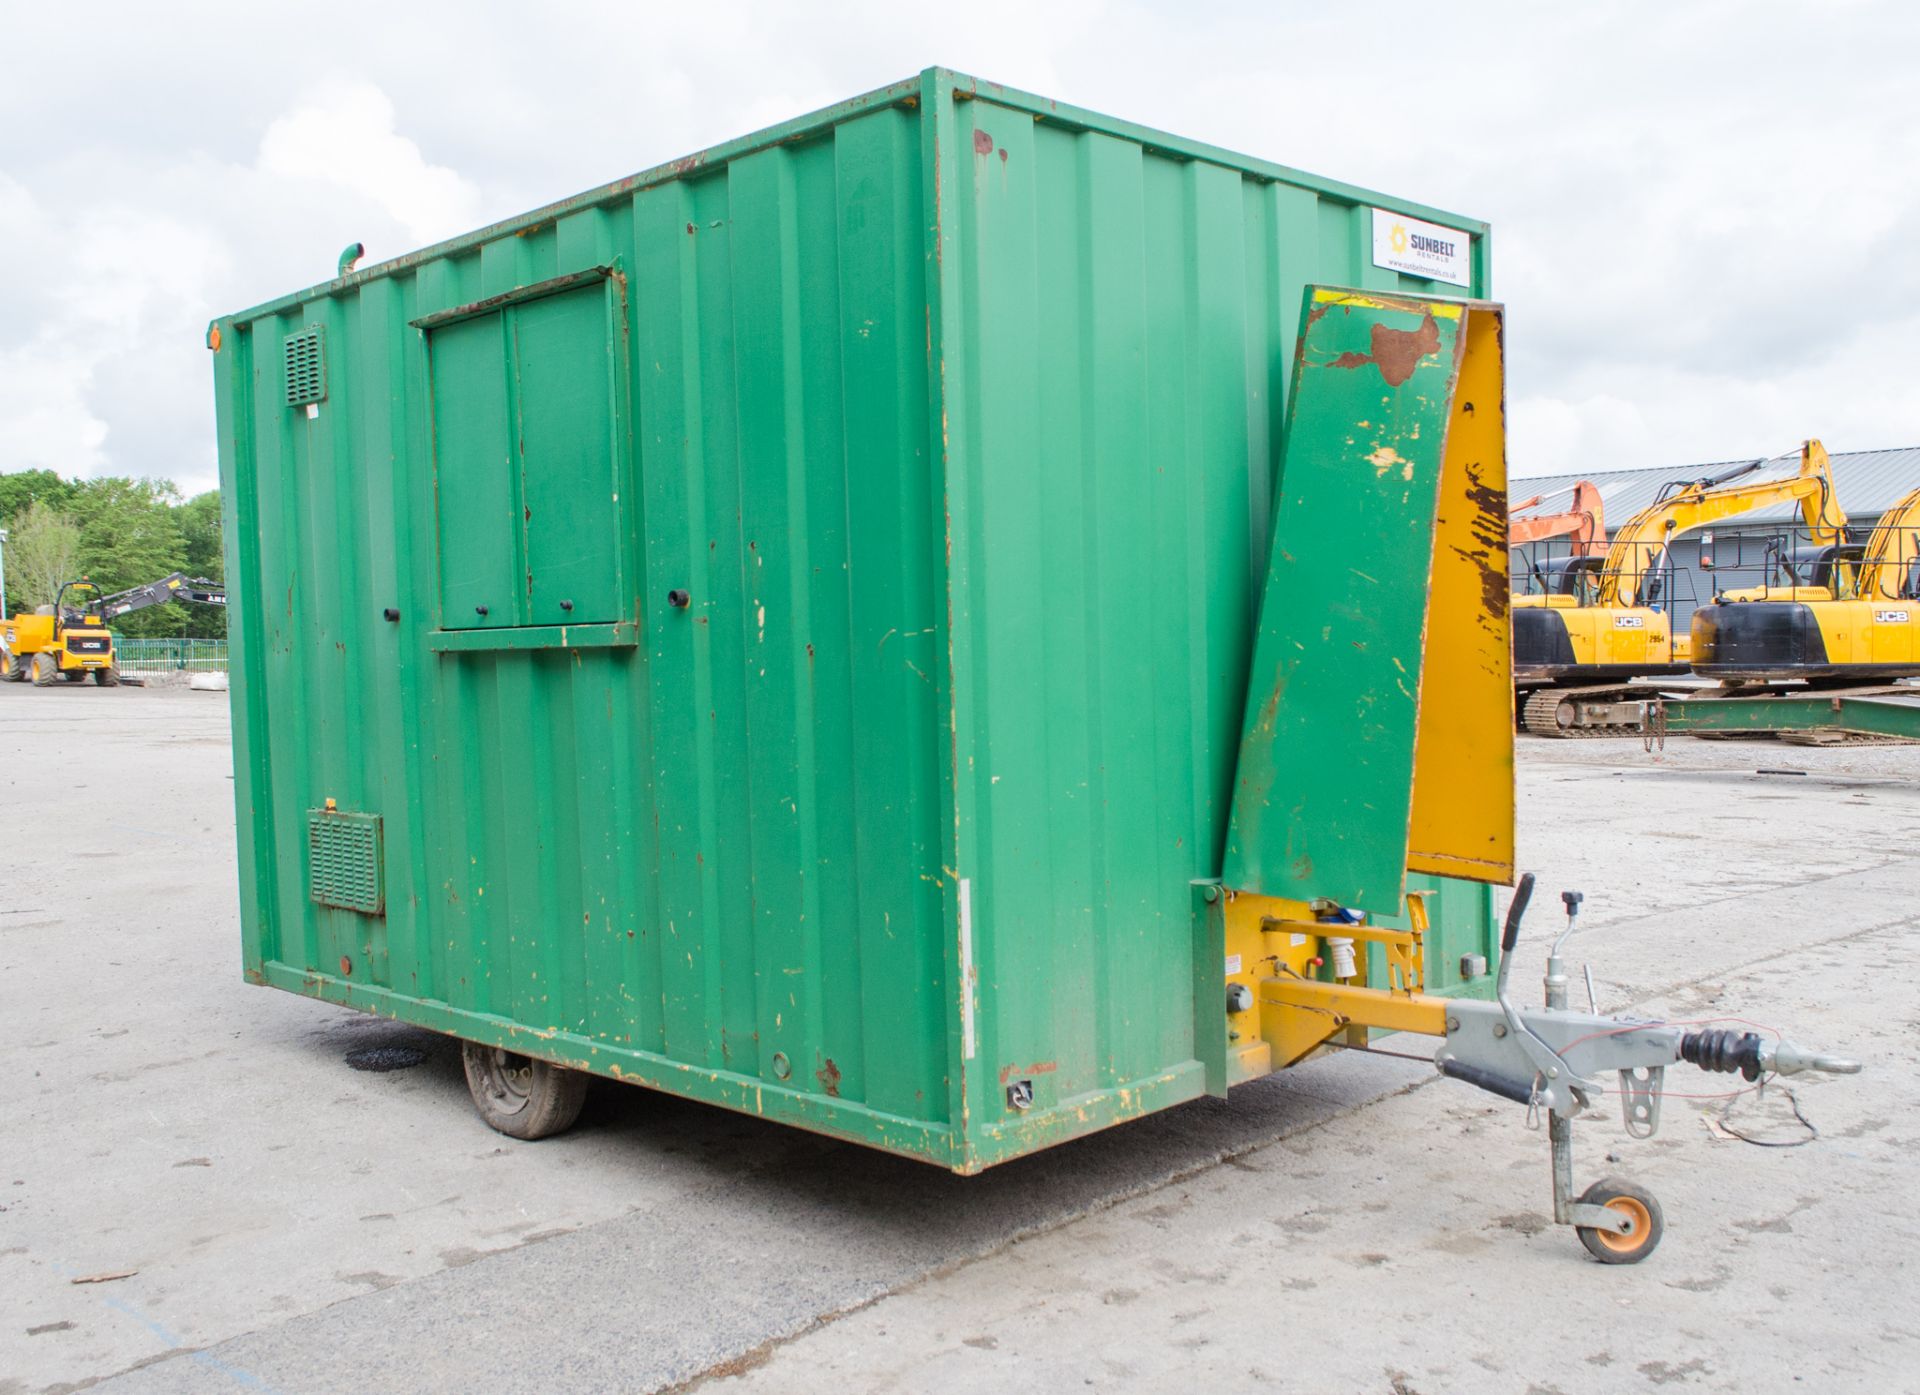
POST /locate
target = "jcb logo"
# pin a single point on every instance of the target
(1629, 622)
(1890, 617)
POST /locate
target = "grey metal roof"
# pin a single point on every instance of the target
(1869, 483)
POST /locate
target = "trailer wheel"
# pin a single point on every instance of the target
(108, 677)
(1640, 1209)
(45, 670)
(520, 1096)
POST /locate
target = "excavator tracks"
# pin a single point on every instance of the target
(1557, 712)
(1838, 738)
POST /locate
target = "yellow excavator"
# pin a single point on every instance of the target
(1602, 621)
(1862, 626)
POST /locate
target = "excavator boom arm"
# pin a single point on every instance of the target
(1639, 546)
(1891, 551)
(1585, 522)
(177, 587)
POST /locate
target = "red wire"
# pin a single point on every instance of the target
(1724, 1095)
(1774, 1032)
(1626, 1028)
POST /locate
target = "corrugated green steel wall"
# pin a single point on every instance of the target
(1120, 318)
(956, 418)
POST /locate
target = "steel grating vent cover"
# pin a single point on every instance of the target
(306, 359)
(344, 861)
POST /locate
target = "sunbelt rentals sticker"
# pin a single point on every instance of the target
(1418, 248)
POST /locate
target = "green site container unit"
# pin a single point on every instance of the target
(776, 628)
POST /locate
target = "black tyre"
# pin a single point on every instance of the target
(520, 1096)
(45, 670)
(1645, 1223)
(13, 668)
(108, 677)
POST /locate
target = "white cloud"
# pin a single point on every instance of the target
(45, 412)
(45, 367)
(102, 358)
(1856, 396)
(1704, 216)
(90, 372)
(343, 135)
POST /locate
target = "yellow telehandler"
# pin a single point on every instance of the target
(68, 640)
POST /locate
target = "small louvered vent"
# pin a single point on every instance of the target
(344, 861)
(306, 367)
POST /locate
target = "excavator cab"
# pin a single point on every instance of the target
(1574, 577)
(1822, 567)
(1654, 581)
(1790, 568)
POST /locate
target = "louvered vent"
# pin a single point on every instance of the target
(306, 358)
(344, 861)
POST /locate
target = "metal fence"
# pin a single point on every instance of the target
(161, 656)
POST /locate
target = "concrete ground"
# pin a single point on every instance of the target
(283, 1222)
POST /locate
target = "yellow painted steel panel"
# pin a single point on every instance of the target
(1462, 817)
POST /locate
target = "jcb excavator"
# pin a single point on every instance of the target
(71, 640)
(1863, 626)
(1585, 522)
(1604, 621)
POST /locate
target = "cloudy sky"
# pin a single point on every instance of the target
(1706, 215)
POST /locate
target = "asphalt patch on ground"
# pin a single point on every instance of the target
(381, 1059)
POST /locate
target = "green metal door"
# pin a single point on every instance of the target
(476, 476)
(564, 351)
(529, 448)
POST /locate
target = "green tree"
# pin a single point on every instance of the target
(23, 487)
(42, 551)
(129, 534)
